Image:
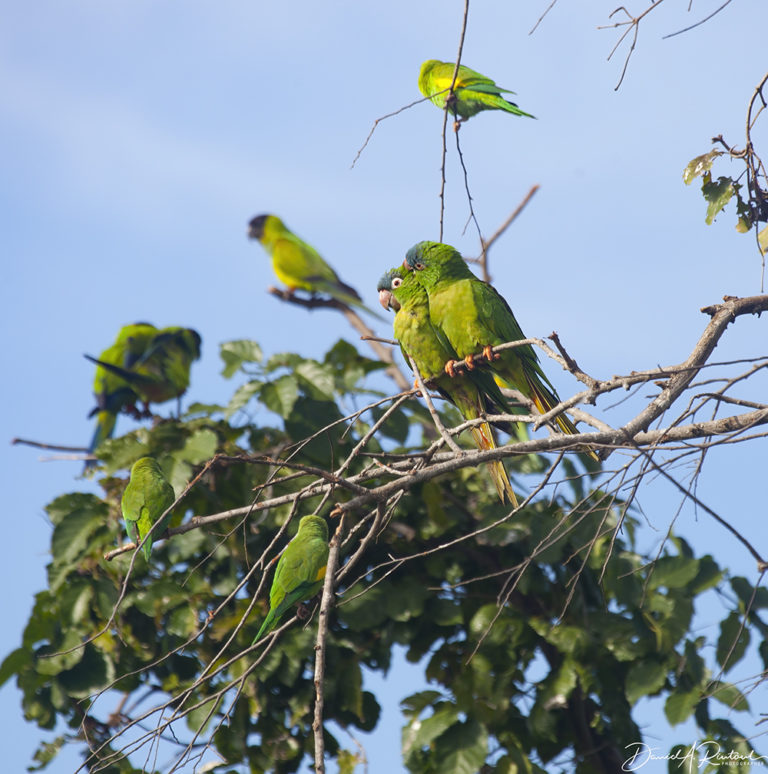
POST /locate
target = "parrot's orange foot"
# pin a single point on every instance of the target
(469, 361)
(489, 354)
(416, 387)
(450, 368)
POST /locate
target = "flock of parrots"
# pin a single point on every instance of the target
(444, 315)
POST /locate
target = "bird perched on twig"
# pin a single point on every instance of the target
(472, 92)
(298, 265)
(300, 571)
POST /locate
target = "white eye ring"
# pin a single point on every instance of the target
(419, 266)
(397, 281)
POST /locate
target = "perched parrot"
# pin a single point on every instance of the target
(472, 92)
(161, 370)
(147, 496)
(298, 265)
(300, 571)
(112, 392)
(474, 394)
(474, 317)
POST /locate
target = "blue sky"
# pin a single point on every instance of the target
(139, 138)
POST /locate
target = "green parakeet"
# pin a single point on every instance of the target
(298, 265)
(474, 317)
(474, 394)
(112, 392)
(147, 496)
(300, 571)
(472, 91)
(161, 370)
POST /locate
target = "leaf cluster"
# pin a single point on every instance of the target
(539, 633)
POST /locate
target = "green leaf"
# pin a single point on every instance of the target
(74, 601)
(52, 660)
(281, 395)
(732, 642)
(680, 705)
(236, 353)
(717, 194)
(182, 621)
(699, 166)
(347, 761)
(47, 752)
(395, 426)
(444, 612)
(200, 446)
(92, 673)
(417, 702)
(746, 592)
(161, 596)
(644, 678)
(366, 611)
(708, 576)
(762, 240)
(463, 748)
(242, 395)
(13, 664)
(672, 572)
(64, 506)
(318, 378)
(421, 733)
(731, 696)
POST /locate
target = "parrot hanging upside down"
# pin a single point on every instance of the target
(298, 265)
(474, 394)
(300, 571)
(472, 92)
(147, 496)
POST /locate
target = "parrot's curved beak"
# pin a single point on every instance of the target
(386, 300)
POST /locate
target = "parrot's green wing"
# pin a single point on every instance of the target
(474, 394)
(300, 571)
(147, 496)
(298, 265)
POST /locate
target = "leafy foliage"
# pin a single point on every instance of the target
(539, 633)
(751, 208)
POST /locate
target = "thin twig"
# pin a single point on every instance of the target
(326, 604)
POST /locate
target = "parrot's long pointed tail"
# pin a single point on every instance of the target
(546, 401)
(483, 438)
(266, 627)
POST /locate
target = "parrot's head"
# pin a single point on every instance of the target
(263, 226)
(315, 526)
(191, 341)
(389, 282)
(426, 68)
(435, 261)
(256, 226)
(421, 256)
(145, 465)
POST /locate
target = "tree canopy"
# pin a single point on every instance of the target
(539, 628)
